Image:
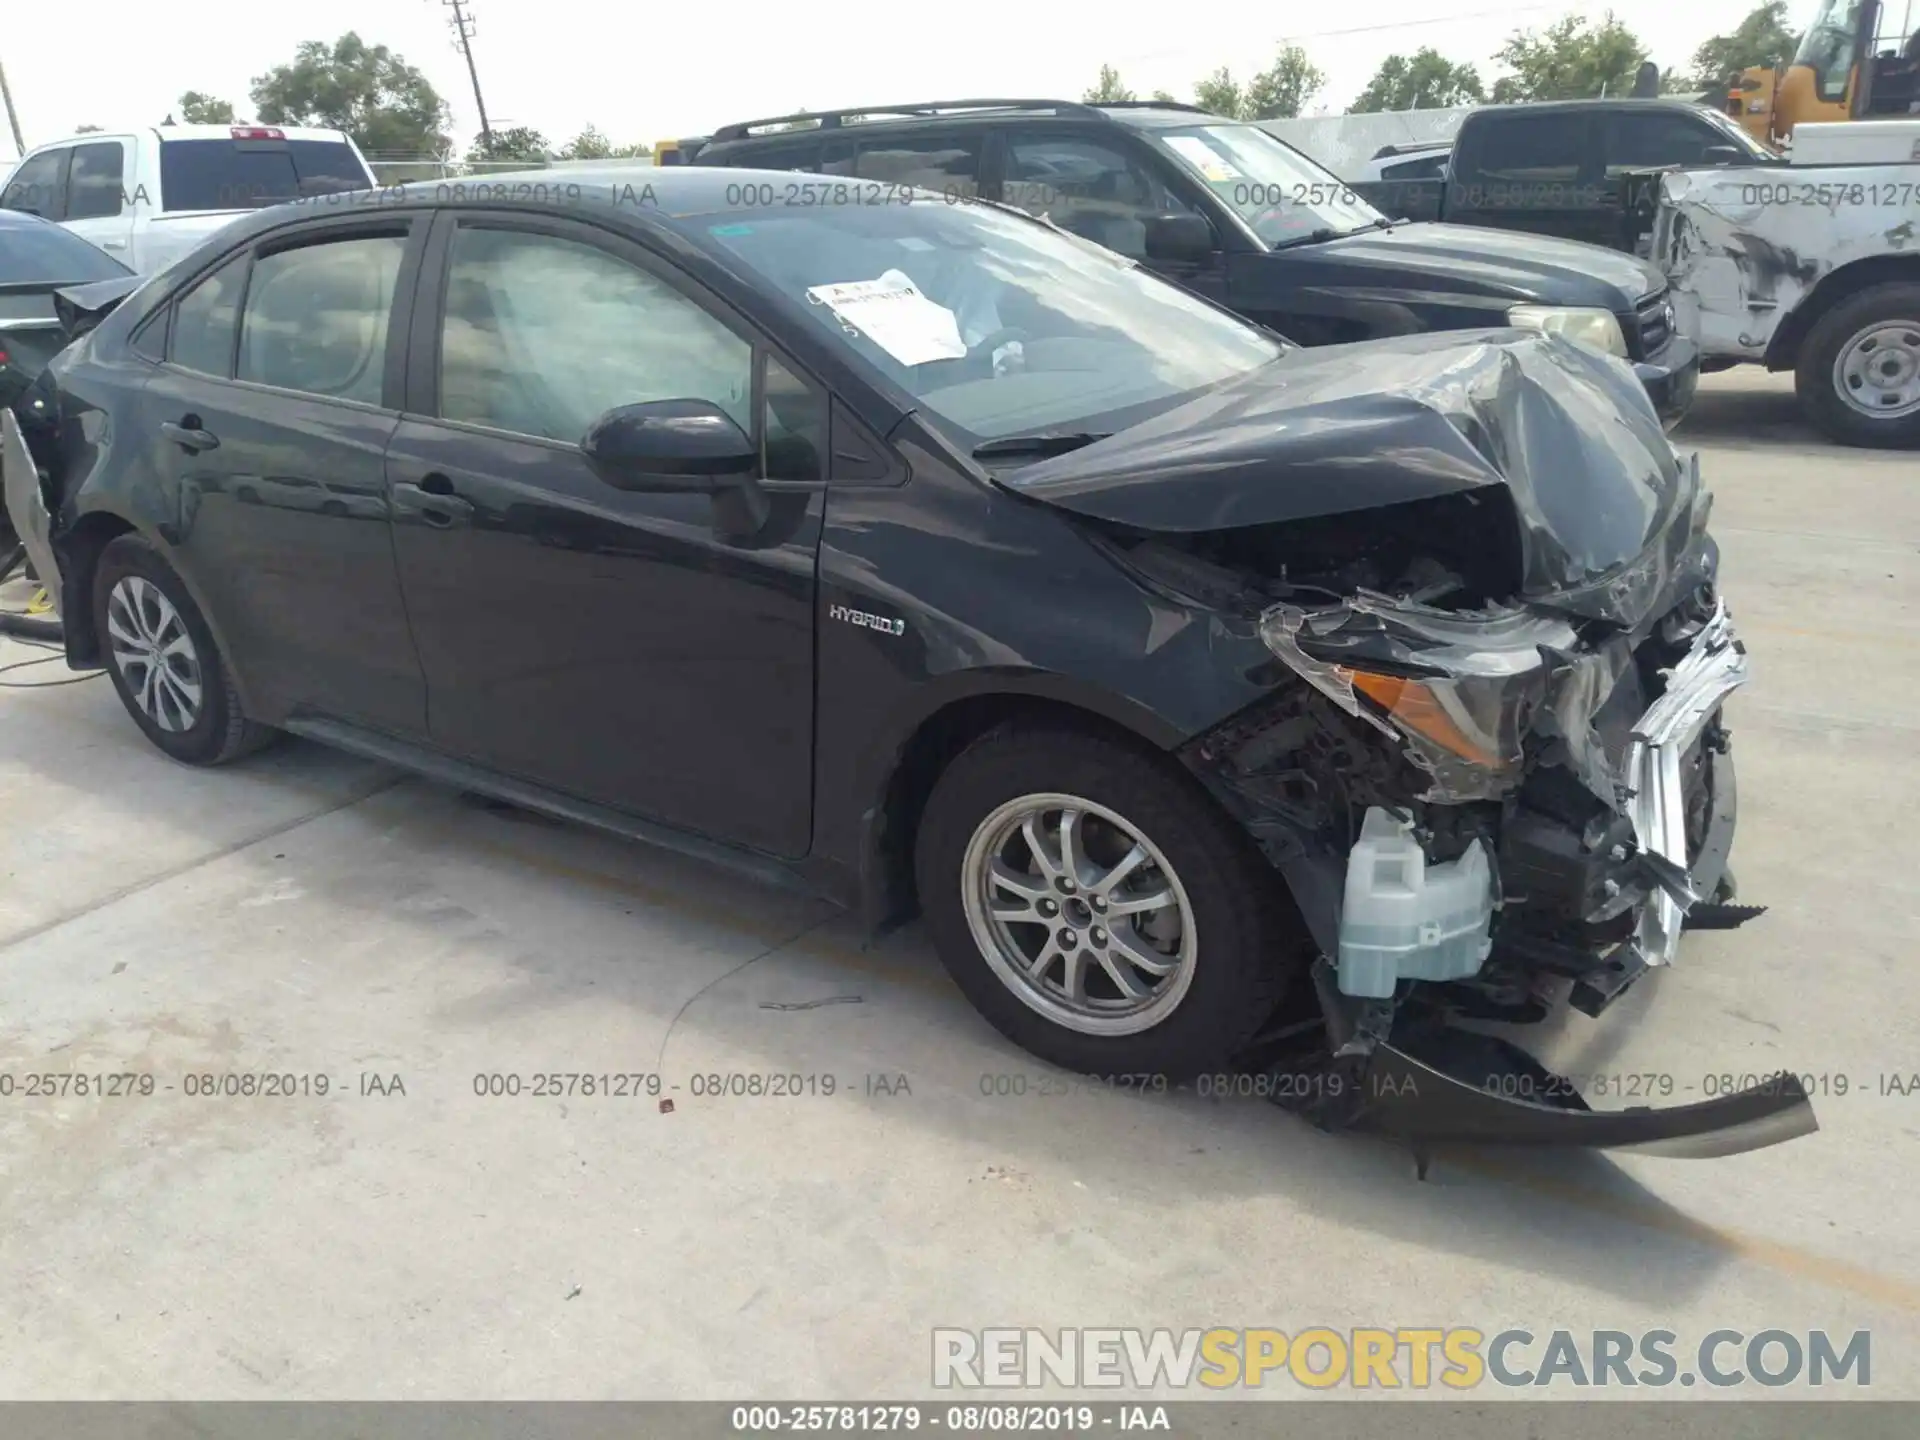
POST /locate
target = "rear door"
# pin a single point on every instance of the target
(268, 422)
(1538, 173)
(630, 649)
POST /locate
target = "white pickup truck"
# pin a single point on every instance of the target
(1812, 267)
(149, 195)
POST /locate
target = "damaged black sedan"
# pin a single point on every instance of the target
(1196, 689)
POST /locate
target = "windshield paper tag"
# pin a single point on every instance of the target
(1203, 157)
(893, 314)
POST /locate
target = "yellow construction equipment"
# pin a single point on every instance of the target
(1854, 62)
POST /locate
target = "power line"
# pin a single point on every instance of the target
(462, 24)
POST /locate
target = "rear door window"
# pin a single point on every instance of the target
(96, 185)
(316, 317)
(206, 320)
(1538, 148)
(250, 174)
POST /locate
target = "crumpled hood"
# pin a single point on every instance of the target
(1563, 433)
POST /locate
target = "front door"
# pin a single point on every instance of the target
(269, 424)
(1098, 189)
(628, 649)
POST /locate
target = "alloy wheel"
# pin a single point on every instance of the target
(1079, 914)
(155, 654)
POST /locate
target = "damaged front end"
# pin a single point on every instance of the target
(1491, 767)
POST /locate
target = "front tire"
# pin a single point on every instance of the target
(1858, 378)
(1099, 908)
(165, 666)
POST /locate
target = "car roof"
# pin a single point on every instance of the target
(673, 196)
(197, 132)
(1620, 102)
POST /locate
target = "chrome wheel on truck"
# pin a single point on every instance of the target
(1858, 372)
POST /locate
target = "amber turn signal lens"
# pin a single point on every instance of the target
(1416, 707)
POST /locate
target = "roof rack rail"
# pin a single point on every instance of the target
(835, 119)
(1157, 105)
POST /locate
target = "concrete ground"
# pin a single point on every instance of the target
(308, 914)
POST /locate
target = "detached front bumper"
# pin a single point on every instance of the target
(26, 507)
(1399, 1061)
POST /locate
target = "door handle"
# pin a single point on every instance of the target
(433, 504)
(113, 244)
(188, 435)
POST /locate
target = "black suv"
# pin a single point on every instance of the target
(925, 555)
(1229, 211)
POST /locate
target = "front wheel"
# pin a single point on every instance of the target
(1859, 373)
(1099, 909)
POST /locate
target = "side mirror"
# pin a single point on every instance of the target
(1724, 155)
(670, 445)
(1179, 237)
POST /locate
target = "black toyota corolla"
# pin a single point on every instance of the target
(1217, 703)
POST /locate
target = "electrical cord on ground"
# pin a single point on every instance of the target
(43, 660)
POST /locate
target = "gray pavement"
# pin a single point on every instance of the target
(311, 915)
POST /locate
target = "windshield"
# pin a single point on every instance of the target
(1278, 191)
(1827, 47)
(44, 251)
(1735, 135)
(997, 324)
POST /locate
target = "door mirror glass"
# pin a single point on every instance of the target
(1179, 237)
(670, 445)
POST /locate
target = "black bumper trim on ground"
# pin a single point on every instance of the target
(1412, 1101)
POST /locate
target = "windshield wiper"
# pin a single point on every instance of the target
(1046, 442)
(1325, 232)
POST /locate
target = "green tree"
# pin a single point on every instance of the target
(1109, 90)
(1282, 90)
(199, 108)
(589, 144)
(1166, 95)
(1572, 59)
(520, 143)
(1220, 93)
(1762, 39)
(385, 104)
(1427, 80)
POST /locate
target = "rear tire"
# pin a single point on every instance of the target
(1863, 356)
(1209, 919)
(163, 661)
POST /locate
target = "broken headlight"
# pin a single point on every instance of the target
(1461, 690)
(1597, 328)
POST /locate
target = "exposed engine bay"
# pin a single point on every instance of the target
(1493, 770)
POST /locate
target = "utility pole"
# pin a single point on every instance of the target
(463, 36)
(13, 120)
